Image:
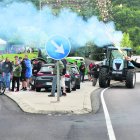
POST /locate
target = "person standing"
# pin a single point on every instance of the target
(90, 67)
(64, 61)
(22, 77)
(16, 75)
(6, 72)
(54, 82)
(82, 71)
(28, 73)
(36, 68)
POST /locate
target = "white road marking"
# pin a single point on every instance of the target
(107, 118)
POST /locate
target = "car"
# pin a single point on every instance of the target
(45, 76)
(72, 78)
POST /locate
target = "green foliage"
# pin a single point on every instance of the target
(137, 50)
(126, 42)
(135, 35)
(11, 56)
(89, 9)
(127, 18)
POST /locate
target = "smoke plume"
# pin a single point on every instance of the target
(22, 21)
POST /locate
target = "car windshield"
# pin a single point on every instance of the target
(46, 68)
(118, 54)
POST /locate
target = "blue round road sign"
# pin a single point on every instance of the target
(58, 47)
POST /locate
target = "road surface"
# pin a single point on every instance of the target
(123, 105)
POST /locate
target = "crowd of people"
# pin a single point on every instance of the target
(18, 73)
(18, 70)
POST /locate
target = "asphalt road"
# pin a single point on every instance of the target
(16, 125)
(123, 106)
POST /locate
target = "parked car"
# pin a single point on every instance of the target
(45, 76)
(72, 78)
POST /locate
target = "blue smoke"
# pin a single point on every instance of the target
(24, 22)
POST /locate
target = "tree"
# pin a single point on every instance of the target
(126, 16)
(135, 36)
(126, 42)
(105, 9)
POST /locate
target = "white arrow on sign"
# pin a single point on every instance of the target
(59, 49)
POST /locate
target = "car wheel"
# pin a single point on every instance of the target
(74, 88)
(46, 89)
(73, 85)
(78, 86)
(38, 89)
(69, 88)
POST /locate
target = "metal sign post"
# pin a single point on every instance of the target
(58, 81)
(58, 47)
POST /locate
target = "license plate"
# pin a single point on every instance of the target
(49, 83)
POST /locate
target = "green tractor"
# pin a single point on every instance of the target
(115, 67)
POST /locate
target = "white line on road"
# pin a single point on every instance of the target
(107, 118)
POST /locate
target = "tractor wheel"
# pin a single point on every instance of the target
(104, 81)
(69, 88)
(78, 86)
(130, 79)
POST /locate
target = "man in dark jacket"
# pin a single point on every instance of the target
(36, 67)
(23, 78)
(7, 70)
(82, 69)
